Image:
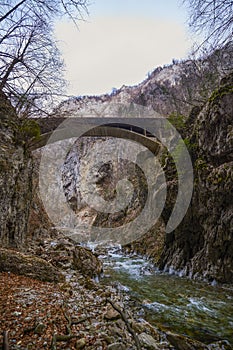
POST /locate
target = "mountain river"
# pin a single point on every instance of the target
(195, 309)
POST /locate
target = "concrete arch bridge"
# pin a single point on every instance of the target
(54, 129)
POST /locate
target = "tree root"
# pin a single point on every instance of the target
(124, 318)
(66, 337)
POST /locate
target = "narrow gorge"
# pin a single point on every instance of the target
(195, 97)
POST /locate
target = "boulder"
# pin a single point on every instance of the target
(30, 266)
(111, 314)
(65, 254)
(86, 262)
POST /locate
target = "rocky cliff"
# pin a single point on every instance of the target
(15, 179)
(202, 246)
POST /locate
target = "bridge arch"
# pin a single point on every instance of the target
(110, 130)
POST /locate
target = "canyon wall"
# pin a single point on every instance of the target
(15, 180)
(202, 246)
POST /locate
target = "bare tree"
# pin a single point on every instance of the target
(213, 19)
(31, 69)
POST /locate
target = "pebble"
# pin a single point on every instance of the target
(80, 344)
(98, 343)
(40, 328)
(111, 314)
(17, 313)
(28, 319)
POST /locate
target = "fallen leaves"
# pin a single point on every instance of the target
(32, 311)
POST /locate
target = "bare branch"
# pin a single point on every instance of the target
(7, 14)
(30, 64)
(214, 19)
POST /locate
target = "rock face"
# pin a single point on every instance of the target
(105, 175)
(202, 246)
(39, 224)
(15, 180)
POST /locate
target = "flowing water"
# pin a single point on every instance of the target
(199, 310)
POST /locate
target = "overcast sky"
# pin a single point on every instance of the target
(120, 42)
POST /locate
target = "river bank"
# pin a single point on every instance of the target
(75, 314)
(81, 313)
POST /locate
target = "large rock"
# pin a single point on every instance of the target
(86, 262)
(30, 266)
(111, 314)
(181, 342)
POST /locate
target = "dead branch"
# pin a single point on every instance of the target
(66, 337)
(75, 322)
(5, 345)
(59, 337)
